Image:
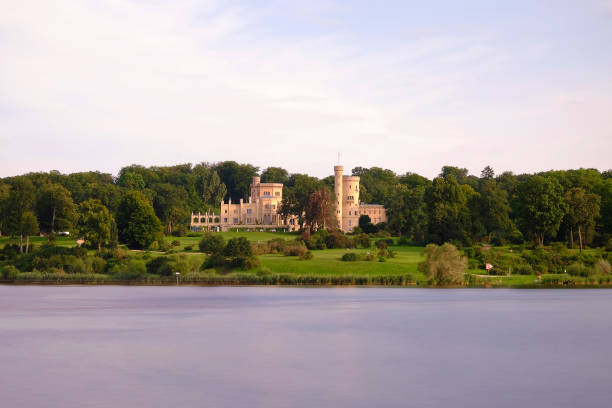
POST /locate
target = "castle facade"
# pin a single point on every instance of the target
(261, 210)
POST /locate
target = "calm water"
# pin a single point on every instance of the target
(293, 347)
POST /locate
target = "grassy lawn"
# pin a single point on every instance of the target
(254, 236)
(327, 262)
(59, 241)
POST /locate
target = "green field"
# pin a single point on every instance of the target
(325, 266)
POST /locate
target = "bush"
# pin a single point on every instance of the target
(523, 269)
(9, 272)
(368, 257)
(194, 234)
(159, 266)
(350, 257)
(306, 256)
(381, 244)
(578, 269)
(175, 243)
(337, 240)
(601, 267)
(211, 243)
(364, 241)
(443, 265)
(188, 248)
(296, 249)
(179, 230)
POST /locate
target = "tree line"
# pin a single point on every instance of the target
(140, 204)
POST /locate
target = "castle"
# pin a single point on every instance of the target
(261, 211)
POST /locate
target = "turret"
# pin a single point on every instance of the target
(338, 172)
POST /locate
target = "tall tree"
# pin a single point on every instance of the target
(296, 194)
(208, 186)
(321, 210)
(19, 208)
(582, 210)
(4, 197)
(375, 184)
(55, 209)
(448, 210)
(137, 223)
(407, 212)
(170, 204)
(274, 175)
(493, 209)
(95, 223)
(540, 207)
(237, 178)
(28, 225)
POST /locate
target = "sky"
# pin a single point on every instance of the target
(411, 86)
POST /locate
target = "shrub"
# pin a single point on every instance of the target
(159, 266)
(175, 243)
(296, 249)
(523, 269)
(179, 230)
(306, 256)
(96, 264)
(238, 247)
(577, 269)
(381, 244)
(211, 243)
(364, 241)
(349, 257)
(381, 259)
(188, 248)
(443, 264)
(368, 257)
(338, 240)
(9, 272)
(194, 234)
(601, 267)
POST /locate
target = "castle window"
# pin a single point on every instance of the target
(235, 211)
(248, 220)
(266, 193)
(225, 219)
(235, 220)
(249, 211)
(277, 194)
(350, 223)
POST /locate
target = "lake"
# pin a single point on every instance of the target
(120, 346)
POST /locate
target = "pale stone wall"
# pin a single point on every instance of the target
(376, 212)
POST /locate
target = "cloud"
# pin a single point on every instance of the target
(99, 85)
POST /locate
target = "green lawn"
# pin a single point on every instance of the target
(59, 241)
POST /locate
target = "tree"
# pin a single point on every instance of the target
(274, 175)
(28, 225)
(95, 223)
(407, 212)
(448, 210)
(296, 194)
(208, 185)
(375, 183)
(540, 207)
(19, 205)
(237, 178)
(321, 210)
(212, 243)
(443, 264)
(487, 173)
(4, 197)
(493, 210)
(137, 224)
(55, 209)
(170, 204)
(365, 223)
(582, 210)
(131, 180)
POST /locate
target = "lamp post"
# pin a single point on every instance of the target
(177, 278)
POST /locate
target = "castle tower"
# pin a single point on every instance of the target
(338, 170)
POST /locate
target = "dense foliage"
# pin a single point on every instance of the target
(572, 206)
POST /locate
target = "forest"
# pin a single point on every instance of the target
(141, 204)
